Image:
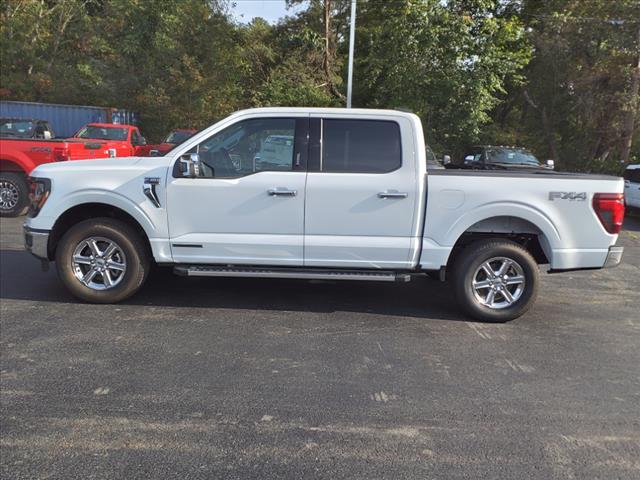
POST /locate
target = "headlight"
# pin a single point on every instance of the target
(39, 190)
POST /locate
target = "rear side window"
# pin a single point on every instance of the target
(360, 146)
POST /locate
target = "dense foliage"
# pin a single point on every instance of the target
(558, 76)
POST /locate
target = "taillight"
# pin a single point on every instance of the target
(609, 208)
(61, 154)
(39, 190)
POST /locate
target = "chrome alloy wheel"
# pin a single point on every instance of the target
(99, 263)
(498, 283)
(9, 195)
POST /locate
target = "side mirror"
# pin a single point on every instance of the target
(550, 164)
(47, 135)
(190, 165)
(446, 159)
(154, 153)
(142, 141)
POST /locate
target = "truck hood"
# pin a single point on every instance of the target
(116, 163)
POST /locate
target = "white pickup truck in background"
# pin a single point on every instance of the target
(344, 195)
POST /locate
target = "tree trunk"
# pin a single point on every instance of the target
(546, 126)
(630, 116)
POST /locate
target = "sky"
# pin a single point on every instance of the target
(270, 10)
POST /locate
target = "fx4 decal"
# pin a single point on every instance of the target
(572, 196)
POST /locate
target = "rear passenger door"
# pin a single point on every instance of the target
(360, 208)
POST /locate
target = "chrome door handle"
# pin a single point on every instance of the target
(282, 192)
(393, 194)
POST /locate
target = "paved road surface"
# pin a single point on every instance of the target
(233, 378)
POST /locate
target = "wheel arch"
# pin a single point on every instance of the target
(17, 162)
(86, 211)
(11, 166)
(506, 227)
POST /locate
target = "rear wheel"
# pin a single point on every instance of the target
(495, 280)
(102, 260)
(14, 194)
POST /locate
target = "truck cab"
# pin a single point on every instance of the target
(123, 140)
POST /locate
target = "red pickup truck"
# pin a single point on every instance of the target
(19, 156)
(124, 139)
(174, 138)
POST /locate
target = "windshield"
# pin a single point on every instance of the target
(103, 133)
(16, 128)
(513, 156)
(177, 137)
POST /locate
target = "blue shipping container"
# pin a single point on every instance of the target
(66, 119)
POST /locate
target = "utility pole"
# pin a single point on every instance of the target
(352, 37)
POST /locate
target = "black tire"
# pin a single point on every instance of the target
(130, 245)
(467, 266)
(12, 184)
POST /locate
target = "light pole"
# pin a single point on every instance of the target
(352, 37)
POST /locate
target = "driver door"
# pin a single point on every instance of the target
(246, 204)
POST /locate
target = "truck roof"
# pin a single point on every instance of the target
(318, 110)
(110, 125)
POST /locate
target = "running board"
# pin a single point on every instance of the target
(301, 273)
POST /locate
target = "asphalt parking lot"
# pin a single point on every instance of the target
(234, 378)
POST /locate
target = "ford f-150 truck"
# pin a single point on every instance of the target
(350, 198)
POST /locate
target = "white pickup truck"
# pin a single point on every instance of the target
(345, 195)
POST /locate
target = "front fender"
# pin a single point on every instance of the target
(57, 206)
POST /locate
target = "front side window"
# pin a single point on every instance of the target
(473, 157)
(251, 146)
(360, 146)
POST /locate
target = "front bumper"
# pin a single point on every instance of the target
(614, 257)
(36, 242)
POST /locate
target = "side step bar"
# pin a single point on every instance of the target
(300, 273)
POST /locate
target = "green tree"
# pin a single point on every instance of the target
(579, 104)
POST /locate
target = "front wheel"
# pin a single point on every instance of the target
(102, 260)
(14, 194)
(495, 280)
